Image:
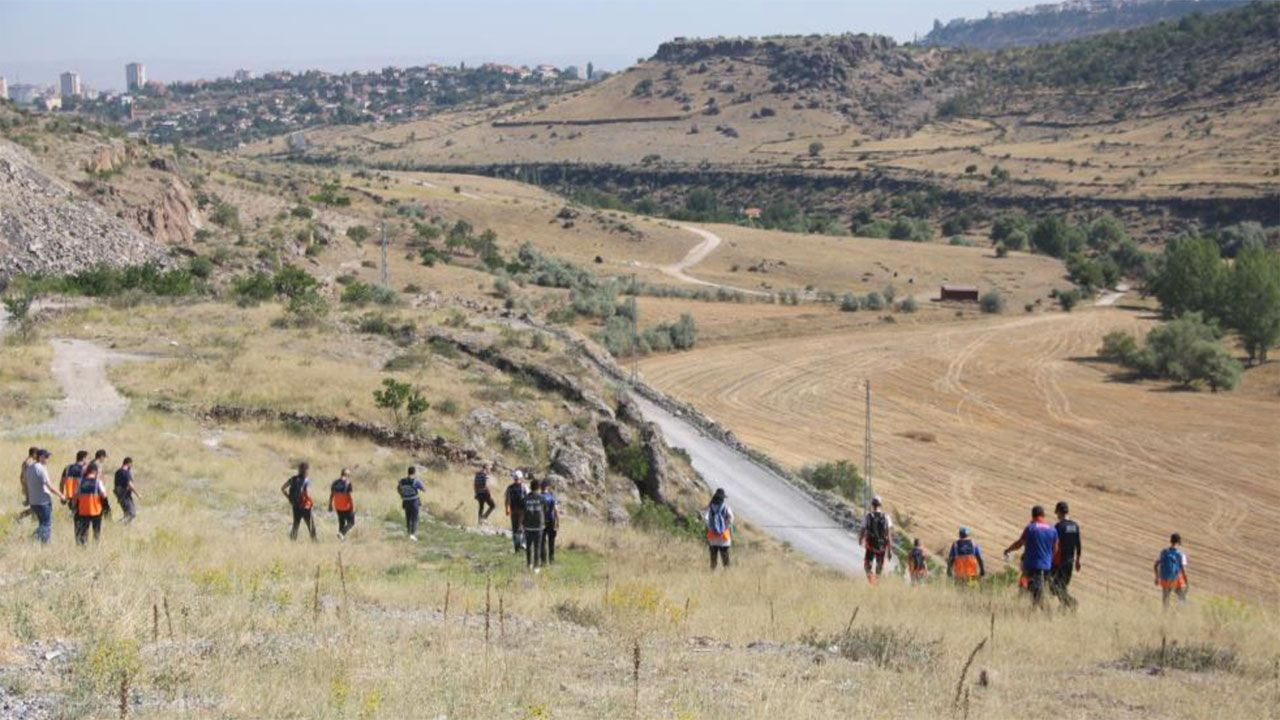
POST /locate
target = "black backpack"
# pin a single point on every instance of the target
(295, 490)
(877, 530)
(408, 489)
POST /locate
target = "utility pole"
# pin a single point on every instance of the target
(866, 454)
(384, 253)
(635, 330)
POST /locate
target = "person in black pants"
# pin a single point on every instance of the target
(298, 491)
(125, 491)
(1068, 558)
(340, 501)
(552, 523)
(534, 519)
(484, 499)
(513, 501)
(408, 489)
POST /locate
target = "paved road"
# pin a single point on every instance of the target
(759, 495)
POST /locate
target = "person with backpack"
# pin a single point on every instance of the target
(39, 492)
(552, 523)
(1171, 571)
(964, 560)
(340, 501)
(71, 475)
(1039, 542)
(1067, 559)
(484, 499)
(297, 490)
(513, 503)
(718, 518)
(409, 489)
(90, 505)
(125, 492)
(917, 565)
(877, 539)
(533, 518)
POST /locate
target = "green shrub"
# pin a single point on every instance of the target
(361, 293)
(991, 302)
(293, 282)
(306, 309)
(840, 476)
(252, 289)
(849, 302)
(1068, 299)
(909, 305)
(873, 301)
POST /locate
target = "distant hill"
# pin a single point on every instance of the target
(1045, 24)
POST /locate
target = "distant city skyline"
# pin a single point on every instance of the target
(194, 39)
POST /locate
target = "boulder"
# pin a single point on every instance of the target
(514, 437)
(614, 435)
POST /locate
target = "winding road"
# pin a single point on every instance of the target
(696, 254)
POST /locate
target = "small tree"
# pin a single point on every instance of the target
(909, 305)
(1002, 250)
(849, 302)
(18, 305)
(1068, 299)
(402, 401)
(1189, 277)
(841, 476)
(873, 301)
(816, 148)
(991, 302)
(358, 233)
(1253, 300)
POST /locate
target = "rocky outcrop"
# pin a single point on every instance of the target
(165, 211)
(48, 226)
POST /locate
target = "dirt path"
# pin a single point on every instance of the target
(1109, 297)
(90, 402)
(696, 254)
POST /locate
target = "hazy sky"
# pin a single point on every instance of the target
(186, 39)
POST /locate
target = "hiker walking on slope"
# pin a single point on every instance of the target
(513, 503)
(27, 462)
(409, 489)
(876, 537)
(125, 491)
(340, 501)
(917, 565)
(484, 499)
(551, 521)
(534, 519)
(70, 481)
(1067, 559)
(90, 504)
(40, 492)
(1039, 543)
(964, 560)
(719, 521)
(297, 490)
(1171, 571)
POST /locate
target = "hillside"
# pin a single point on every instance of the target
(1054, 23)
(203, 608)
(74, 193)
(1160, 124)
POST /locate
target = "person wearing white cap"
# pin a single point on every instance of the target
(513, 503)
(876, 537)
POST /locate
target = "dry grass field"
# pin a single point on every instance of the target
(209, 611)
(977, 420)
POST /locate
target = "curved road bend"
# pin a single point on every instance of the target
(760, 495)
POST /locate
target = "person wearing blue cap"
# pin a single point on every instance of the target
(964, 561)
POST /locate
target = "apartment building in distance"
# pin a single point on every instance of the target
(135, 76)
(70, 83)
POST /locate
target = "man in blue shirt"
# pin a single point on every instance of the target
(408, 489)
(1039, 543)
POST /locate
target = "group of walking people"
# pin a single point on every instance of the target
(531, 505)
(80, 488)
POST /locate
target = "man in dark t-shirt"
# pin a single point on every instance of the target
(1067, 559)
(125, 491)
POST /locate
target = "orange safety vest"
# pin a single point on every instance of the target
(342, 500)
(89, 498)
(965, 567)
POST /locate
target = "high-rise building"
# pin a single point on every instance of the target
(135, 76)
(4, 88)
(243, 76)
(70, 84)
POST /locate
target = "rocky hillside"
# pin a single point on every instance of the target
(47, 225)
(1046, 24)
(73, 193)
